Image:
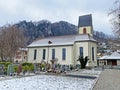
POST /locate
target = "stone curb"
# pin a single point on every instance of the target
(96, 80)
(9, 78)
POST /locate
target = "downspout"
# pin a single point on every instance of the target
(73, 56)
(88, 53)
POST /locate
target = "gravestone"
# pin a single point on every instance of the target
(10, 69)
(1, 69)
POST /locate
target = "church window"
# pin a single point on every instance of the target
(35, 54)
(44, 53)
(64, 54)
(53, 53)
(93, 53)
(81, 51)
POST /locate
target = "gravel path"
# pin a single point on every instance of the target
(108, 80)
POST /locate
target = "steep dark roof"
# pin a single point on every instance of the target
(85, 20)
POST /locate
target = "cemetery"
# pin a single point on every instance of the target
(11, 69)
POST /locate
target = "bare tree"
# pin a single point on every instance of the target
(12, 39)
(115, 19)
(1, 44)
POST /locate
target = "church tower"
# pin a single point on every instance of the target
(85, 25)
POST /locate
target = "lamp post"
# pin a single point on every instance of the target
(49, 42)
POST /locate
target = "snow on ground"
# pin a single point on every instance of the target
(47, 82)
(5, 78)
(92, 72)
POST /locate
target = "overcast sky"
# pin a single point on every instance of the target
(13, 11)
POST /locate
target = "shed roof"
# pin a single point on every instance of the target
(61, 40)
(113, 56)
(103, 57)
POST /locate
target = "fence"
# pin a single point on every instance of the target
(107, 67)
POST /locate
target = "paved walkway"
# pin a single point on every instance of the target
(108, 80)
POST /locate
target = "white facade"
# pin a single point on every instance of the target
(58, 54)
(74, 46)
(71, 43)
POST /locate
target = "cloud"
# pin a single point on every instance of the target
(10, 6)
(56, 10)
(101, 22)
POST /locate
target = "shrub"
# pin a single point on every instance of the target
(16, 68)
(5, 66)
(5, 63)
(43, 66)
(28, 64)
(71, 67)
(5, 70)
(27, 67)
(58, 66)
(31, 67)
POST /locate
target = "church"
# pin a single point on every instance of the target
(65, 50)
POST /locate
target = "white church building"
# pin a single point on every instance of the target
(65, 50)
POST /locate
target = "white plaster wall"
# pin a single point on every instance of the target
(76, 50)
(58, 54)
(87, 47)
(91, 62)
(72, 53)
(118, 62)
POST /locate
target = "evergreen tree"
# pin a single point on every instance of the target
(83, 61)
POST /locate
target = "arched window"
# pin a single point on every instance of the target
(84, 30)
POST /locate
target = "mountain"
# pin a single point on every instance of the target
(44, 28)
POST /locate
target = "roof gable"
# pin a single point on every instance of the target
(114, 55)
